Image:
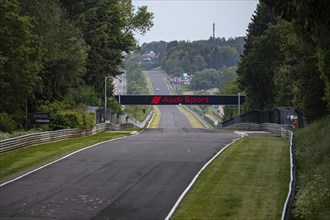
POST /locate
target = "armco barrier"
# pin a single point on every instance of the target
(277, 129)
(49, 136)
(196, 116)
(289, 200)
(209, 120)
(274, 128)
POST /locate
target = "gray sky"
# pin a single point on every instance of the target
(193, 19)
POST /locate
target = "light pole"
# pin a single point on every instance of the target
(105, 97)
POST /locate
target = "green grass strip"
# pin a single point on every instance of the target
(15, 163)
(195, 123)
(150, 89)
(155, 121)
(249, 180)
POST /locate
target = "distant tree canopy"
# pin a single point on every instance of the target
(158, 47)
(211, 78)
(108, 28)
(310, 21)
(21, 54)
(281, 66)
(135, 77)
(49, 49)
(190, 57)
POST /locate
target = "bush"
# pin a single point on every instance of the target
(88, 120)
(7, 124)
(66, 119)
(54, 107)
(312, 151)
(138, 112)
(72, 119)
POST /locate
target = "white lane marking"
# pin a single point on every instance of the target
(194, 180)
(55, 161)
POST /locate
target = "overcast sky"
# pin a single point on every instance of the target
(193, 19)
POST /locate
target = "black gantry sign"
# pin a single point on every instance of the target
(180, 99)
(40, 118)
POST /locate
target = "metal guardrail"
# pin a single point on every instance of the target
(48, 136)
(141, 124)
(271, 127)
(287, 134)
(196, 116)
(286, 212)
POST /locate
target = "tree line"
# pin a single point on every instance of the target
(190, 57)
(286, 57)
(211, 78)
(286, 62)
(136, 85)
(60, 51)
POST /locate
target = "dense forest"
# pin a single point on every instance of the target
(286, 57)
(286, 62)
(211, 78)
(212, 62)
(190, 57)
(136, 85)
(58, 52)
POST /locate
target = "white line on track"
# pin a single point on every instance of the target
(55, 161)
(194, 180)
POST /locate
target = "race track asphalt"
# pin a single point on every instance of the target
(171, 117)
(139, 177)
(133, 178)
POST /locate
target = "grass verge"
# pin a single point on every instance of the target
(146, 76)
(195, 123)
(15, 163)
(155, 121)
(249, 180)
(312, 152)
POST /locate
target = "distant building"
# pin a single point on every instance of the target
(147, 57)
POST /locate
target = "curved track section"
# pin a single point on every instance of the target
(139, 177)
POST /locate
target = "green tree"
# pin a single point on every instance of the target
(221, 56)
(20, 60)
(205, 79)
(82, 95)
(135, 77)
(232, 87)
(256, 70)
(263, 16)
(159, 47)
(226, 74)
(297, 79)
(191, 57)
(256, 67)
(311, 22)
(280, 68)
(65, 51)
(108, 27)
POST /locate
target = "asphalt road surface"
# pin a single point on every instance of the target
(139, 177)
(171, 117)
